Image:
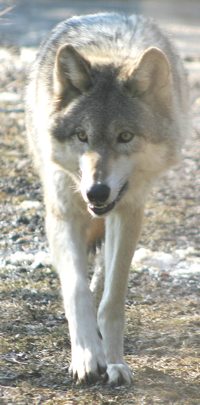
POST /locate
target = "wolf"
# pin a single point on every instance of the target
(107, 112)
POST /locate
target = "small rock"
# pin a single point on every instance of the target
(22, 219)
(18, 258)
(181, 263)
(9, 97)
(28, 205)
(41, 259)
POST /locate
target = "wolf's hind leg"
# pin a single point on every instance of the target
(97, 281)
(95, 239)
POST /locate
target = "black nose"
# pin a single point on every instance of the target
(98, 193)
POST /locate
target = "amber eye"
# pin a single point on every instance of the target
(82, 136)
(125, 137)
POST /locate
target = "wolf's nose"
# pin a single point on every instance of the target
(98, 193)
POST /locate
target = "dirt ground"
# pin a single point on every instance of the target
(162, 335)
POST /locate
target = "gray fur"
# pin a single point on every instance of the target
(107, 109)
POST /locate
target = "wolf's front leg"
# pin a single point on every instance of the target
(122, 232)
(68, 249)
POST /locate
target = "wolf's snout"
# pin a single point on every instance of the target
(98, 193)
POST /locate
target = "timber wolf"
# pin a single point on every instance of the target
(106, 114)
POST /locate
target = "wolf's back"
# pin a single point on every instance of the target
(116, 35)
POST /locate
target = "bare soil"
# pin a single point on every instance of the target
(162, 338)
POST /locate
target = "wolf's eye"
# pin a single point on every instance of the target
(82, 136)
(125, 137)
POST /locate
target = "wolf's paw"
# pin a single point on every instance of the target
(87, 367)
(118, 374)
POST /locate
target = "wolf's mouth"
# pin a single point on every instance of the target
(101, 209)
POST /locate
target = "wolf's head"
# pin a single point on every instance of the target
(112, 121)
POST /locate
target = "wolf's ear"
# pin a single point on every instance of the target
(71, 71)
(152, 73)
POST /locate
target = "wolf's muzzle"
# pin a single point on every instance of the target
(98, 194)
(103, 208)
